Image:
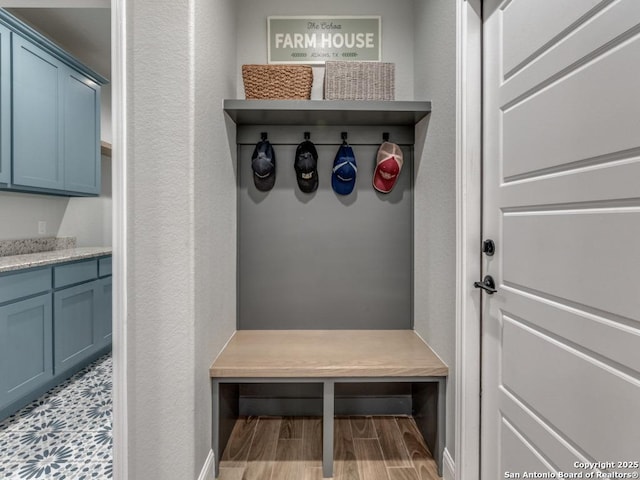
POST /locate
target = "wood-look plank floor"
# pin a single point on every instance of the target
(365, 448)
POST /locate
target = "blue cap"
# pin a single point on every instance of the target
(343, 178)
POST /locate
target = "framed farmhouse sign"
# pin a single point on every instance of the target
(316, 39)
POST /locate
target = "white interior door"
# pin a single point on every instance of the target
(561, 200)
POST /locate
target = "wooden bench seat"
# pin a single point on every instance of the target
(329, 357)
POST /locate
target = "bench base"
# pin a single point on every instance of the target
(428, 408)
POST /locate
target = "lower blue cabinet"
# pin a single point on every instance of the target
(104, 314)
(53, 321)
(26, 339)
(74, 323)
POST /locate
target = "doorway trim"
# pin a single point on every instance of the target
(468, 237)
(120, 221)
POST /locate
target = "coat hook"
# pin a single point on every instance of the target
(385, 136)
(344, 137)
(307, 135)
(263, 136)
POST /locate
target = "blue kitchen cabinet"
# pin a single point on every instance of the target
(5, 105)
(38, 141)
(74, 322)
(26, 337)
(104, 313)
(81, 134)
(50, 120)
(54, 320)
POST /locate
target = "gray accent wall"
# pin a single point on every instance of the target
(323, 260)
(435, 188)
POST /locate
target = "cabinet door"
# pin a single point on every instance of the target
(81, 134)
(75, 325)
(25, 347)
(104, 314)
(5, 105)
(37, 117)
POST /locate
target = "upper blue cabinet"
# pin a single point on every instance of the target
(5, 105)
(50, 120)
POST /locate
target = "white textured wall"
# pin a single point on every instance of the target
(181, 238)
(397, 34)
(160, 241)
(215, 202)
(86, 218)
(89, 218)
(435, 189)
(21, 212)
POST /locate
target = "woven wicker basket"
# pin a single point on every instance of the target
(273, 82)
(359, 81)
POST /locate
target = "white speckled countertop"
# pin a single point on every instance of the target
(40, 259)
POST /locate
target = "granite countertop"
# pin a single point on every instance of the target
(40, 259)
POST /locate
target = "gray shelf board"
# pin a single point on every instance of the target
(326, 112)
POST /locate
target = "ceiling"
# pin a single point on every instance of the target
(83, 32)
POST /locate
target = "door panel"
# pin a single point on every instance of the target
(545, 442)
(572, 377)
(561, 198)
(528, 28)
(584, 115)
(520, 455)
(617, 178)
(582, 256)
(616, 339)
(598, 34)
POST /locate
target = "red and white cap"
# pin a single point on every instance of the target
(388, 167)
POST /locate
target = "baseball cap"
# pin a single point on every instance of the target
(263, 164)
(343, 178)
(306, 166)
(388, 166)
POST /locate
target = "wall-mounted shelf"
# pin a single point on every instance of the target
(326, 112)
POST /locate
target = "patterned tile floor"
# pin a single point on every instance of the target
(65, 434)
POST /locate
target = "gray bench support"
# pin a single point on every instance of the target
(328, 405)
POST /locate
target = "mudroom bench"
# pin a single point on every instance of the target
(328, 357)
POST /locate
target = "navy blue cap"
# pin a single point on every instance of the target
(263, 164)
(343, 178)
(306, 167)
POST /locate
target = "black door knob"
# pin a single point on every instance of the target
(487, 284)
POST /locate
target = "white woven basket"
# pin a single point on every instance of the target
(359, 81)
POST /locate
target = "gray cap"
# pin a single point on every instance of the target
(263, 164)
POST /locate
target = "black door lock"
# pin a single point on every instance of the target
(489, 247)
(487, 284)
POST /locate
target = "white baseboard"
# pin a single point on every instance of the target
(207, 472)
(448, 467)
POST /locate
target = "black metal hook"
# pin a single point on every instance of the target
(385, 136)
(307, 135)
(344, 138)
(263, 136)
